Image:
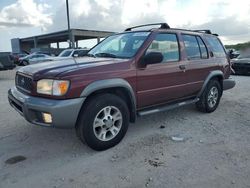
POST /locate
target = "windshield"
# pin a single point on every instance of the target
(65, 53)
(120, 45)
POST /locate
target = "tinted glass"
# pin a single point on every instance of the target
(192, 47)
(203, 48)
(216, 46)
(167, 44)
(65, 53)
(124, 45)
(41, 55)
(33, 56)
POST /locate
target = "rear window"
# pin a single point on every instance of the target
(216, 46)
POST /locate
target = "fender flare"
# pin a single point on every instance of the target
(212, 74)
(112, 83)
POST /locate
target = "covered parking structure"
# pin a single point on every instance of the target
(44, 41)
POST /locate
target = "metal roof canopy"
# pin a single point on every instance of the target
(63, 36)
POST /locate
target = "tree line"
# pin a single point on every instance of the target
(240, 46)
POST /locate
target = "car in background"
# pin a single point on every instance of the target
(65, 54)
(73, 53)
(232, 53)
(16, 56)
(6, 63)
(32, 58)
(241, 65)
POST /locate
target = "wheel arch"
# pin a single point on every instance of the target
(216, 74)
(117, 86)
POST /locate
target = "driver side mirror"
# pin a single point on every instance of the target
(75, 55)
(152, 58)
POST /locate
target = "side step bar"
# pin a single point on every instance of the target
(167, 107)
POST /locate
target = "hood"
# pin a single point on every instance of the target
(53, 68)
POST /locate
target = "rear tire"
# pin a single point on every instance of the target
(103, 121)
(210, 98)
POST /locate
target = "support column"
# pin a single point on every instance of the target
(77, 44)
(98, 39)
(35, 42)
(57, 45)
(72, 40)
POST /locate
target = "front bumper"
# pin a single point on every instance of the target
(228, 84)
(64, 112)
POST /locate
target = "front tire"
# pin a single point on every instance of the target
(103, 121)
(25, 63)
(210, 98)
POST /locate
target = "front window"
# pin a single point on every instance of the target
(32, 56)
(65, 53)
(120, 46)
(167, 44)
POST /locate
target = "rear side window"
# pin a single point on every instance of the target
(192, 47)
(195, 47)
(217, 48)
(167, 44)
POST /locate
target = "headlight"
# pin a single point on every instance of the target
(52, 87)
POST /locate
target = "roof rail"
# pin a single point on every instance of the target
(207, 31)
(162, 26)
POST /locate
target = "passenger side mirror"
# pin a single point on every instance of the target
(152, 58)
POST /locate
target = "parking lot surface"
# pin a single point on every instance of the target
(177, 148)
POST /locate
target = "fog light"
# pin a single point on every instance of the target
(47, 118)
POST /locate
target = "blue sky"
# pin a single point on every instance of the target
(23, 18)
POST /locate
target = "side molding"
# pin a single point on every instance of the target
(209, 77)
(112, 83)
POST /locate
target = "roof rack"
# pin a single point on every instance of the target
(162, 26)
(207, 31)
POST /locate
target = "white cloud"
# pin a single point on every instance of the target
(79, 7)
(228, 18)
(25, 13)
(133, 10)
(106, 4)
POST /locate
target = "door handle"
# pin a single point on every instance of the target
(182, 67)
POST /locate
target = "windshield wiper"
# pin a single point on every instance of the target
(105, 55)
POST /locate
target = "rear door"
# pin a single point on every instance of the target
(165, 81)
(198, 64)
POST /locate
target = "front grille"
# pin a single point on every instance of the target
(24, 82)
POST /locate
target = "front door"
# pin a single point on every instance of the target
(165, 81)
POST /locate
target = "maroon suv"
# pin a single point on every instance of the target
(127, 74)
